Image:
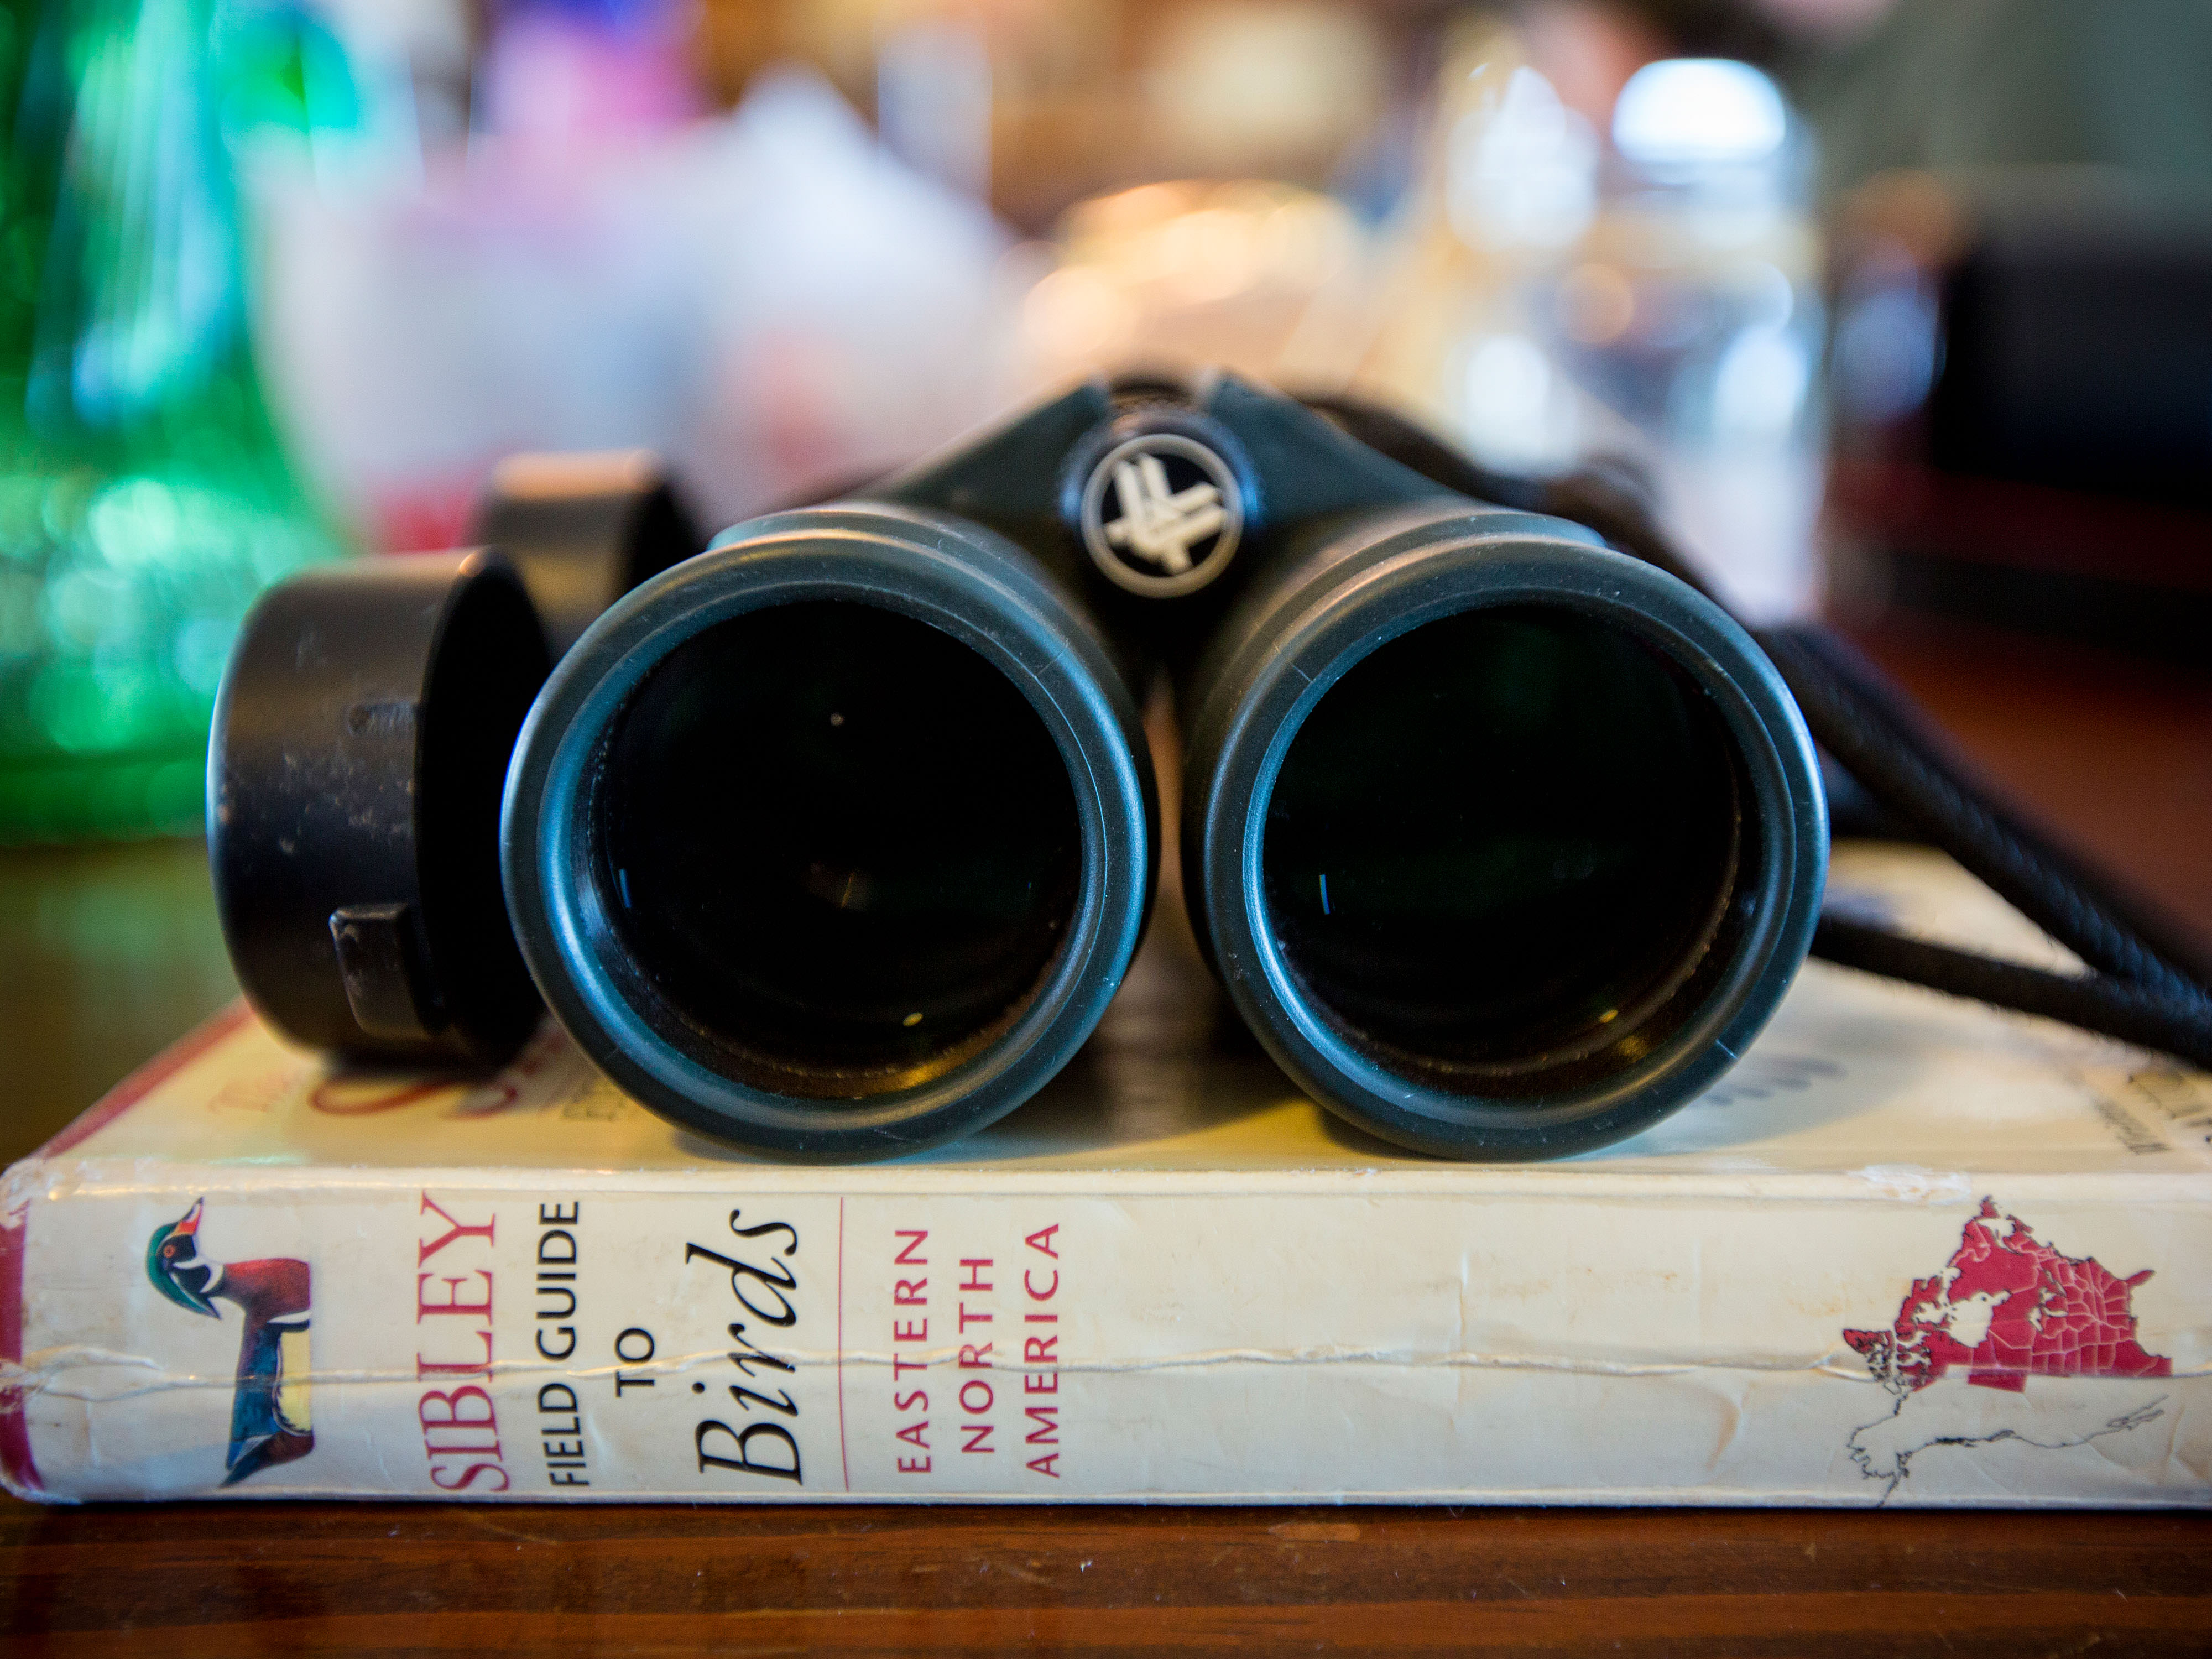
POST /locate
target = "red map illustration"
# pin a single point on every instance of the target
(2007, 1307)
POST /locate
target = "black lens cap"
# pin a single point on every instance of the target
(583, 529)
(361, 744)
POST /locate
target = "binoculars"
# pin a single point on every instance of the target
(834, 840)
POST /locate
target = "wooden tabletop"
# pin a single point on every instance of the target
(217, 1580)
(105, 954)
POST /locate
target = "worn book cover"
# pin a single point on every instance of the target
(1911, 1250)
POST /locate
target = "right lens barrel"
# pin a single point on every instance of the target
(1504, 844)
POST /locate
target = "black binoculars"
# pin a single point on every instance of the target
(834, 840)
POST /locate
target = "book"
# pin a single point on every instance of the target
(1911, 1250)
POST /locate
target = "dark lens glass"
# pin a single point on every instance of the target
(1504, 844)
(839, 844)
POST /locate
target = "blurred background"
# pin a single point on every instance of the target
(1903, 307)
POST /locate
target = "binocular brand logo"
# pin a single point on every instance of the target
(1162, 515)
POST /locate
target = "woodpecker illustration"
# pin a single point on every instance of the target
(269, 1421)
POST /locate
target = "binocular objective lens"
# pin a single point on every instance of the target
(1503, 851)
(841, 845)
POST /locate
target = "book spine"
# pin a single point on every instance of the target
(758, 1335)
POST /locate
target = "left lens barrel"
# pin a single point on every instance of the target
(835, 840)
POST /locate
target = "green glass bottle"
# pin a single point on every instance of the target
(145, 497)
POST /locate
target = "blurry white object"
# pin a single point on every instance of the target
(767, 299)
(1517, 412)
(1523, 171)
(1699, 111)
(1556, 300)
(934, 102)
(1707, 234)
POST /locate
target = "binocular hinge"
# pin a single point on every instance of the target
(381, 960)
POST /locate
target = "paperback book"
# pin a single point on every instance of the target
(1911, 1251)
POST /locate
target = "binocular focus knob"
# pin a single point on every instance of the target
(1162, 499)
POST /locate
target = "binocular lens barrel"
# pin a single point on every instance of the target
(845, 843)
(1504, 844)
(835, 840)
(1500, 842)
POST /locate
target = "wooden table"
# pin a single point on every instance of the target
(105, 954)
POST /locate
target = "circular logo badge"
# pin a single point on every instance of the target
(1162, 515)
